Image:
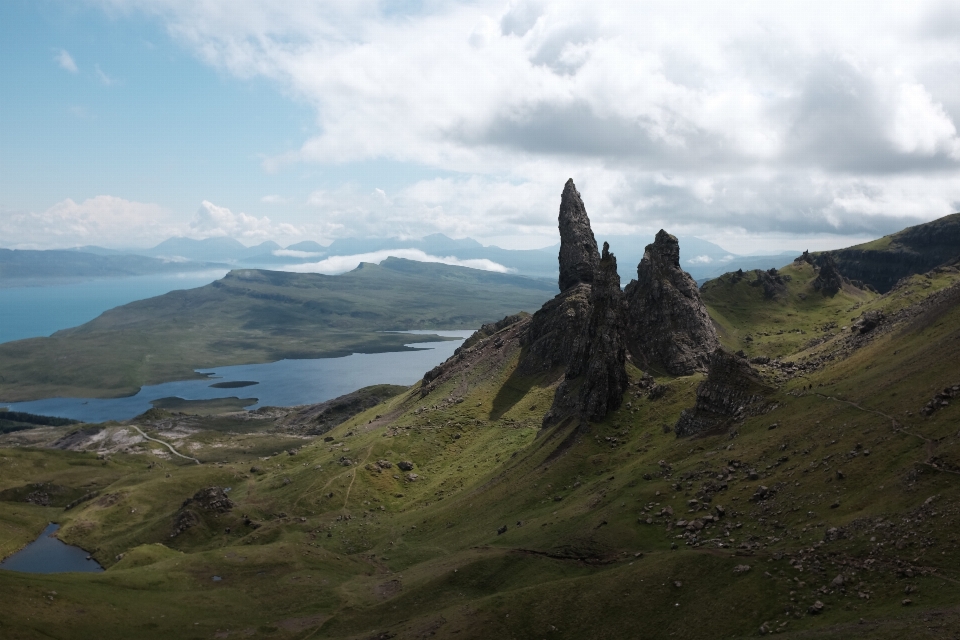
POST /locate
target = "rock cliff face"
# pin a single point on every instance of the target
(731, 392)
(596, 375)
(578, 248)
(913, 250)
(667, 323)
(556, 331)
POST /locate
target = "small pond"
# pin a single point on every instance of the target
(47, 554)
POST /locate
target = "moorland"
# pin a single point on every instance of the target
(816, 496)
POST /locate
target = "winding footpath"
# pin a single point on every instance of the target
(166, 444)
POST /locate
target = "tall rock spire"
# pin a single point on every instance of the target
(579, 257)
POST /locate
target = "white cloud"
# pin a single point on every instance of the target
(103, 77)
(212, 221)
(293, 253)
(700, 260)
(104, 220)
(340, 264)
(701, 117)
(65, 60)
(273, 199)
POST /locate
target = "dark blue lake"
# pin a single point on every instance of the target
(47, 554)
(282, 384)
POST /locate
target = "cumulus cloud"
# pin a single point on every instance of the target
(104, 220)
(212, 221)
(341, 264)
(65, 60)
(804, 118)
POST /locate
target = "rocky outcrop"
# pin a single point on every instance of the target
(829, 280)
(667, 322)
(556, 331)
(596, 376)
(774, 284)
(731, 392)
(212, 500)
(578, 248)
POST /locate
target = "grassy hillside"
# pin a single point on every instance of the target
(776, 325)
(253, 316)
(859, 512)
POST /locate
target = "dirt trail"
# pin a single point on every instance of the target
(166, 444)
(930, 446)
(354, 477)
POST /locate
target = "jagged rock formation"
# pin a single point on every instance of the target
(667, 322)
(773, 283)
(556, 334)
(829, 280)
(578, 248)
(556, 331)
(596, 376)
(731, 392)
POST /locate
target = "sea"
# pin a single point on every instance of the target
(27, 312)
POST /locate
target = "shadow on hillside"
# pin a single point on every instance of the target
(514, 389)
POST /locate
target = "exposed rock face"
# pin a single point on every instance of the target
(556, 331)
(732, 391)
(578, 248)
(667, 323)
(596, 376)
(829, 280)
(913, 250)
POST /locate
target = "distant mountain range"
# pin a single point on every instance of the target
(702, 259)
(19, 267)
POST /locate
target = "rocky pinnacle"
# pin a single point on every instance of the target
(579, 257)
(667, 323)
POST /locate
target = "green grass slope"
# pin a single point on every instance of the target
(253, 316)
(628, 532)
(774, 326)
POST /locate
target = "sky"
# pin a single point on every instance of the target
(760, 126)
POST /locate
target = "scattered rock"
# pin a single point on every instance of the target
(405, 465)
(816, 608)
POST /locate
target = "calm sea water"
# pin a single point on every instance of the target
(32, 312)
(47, 554)
(285, 383)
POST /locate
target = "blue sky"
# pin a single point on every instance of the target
(123, 122)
